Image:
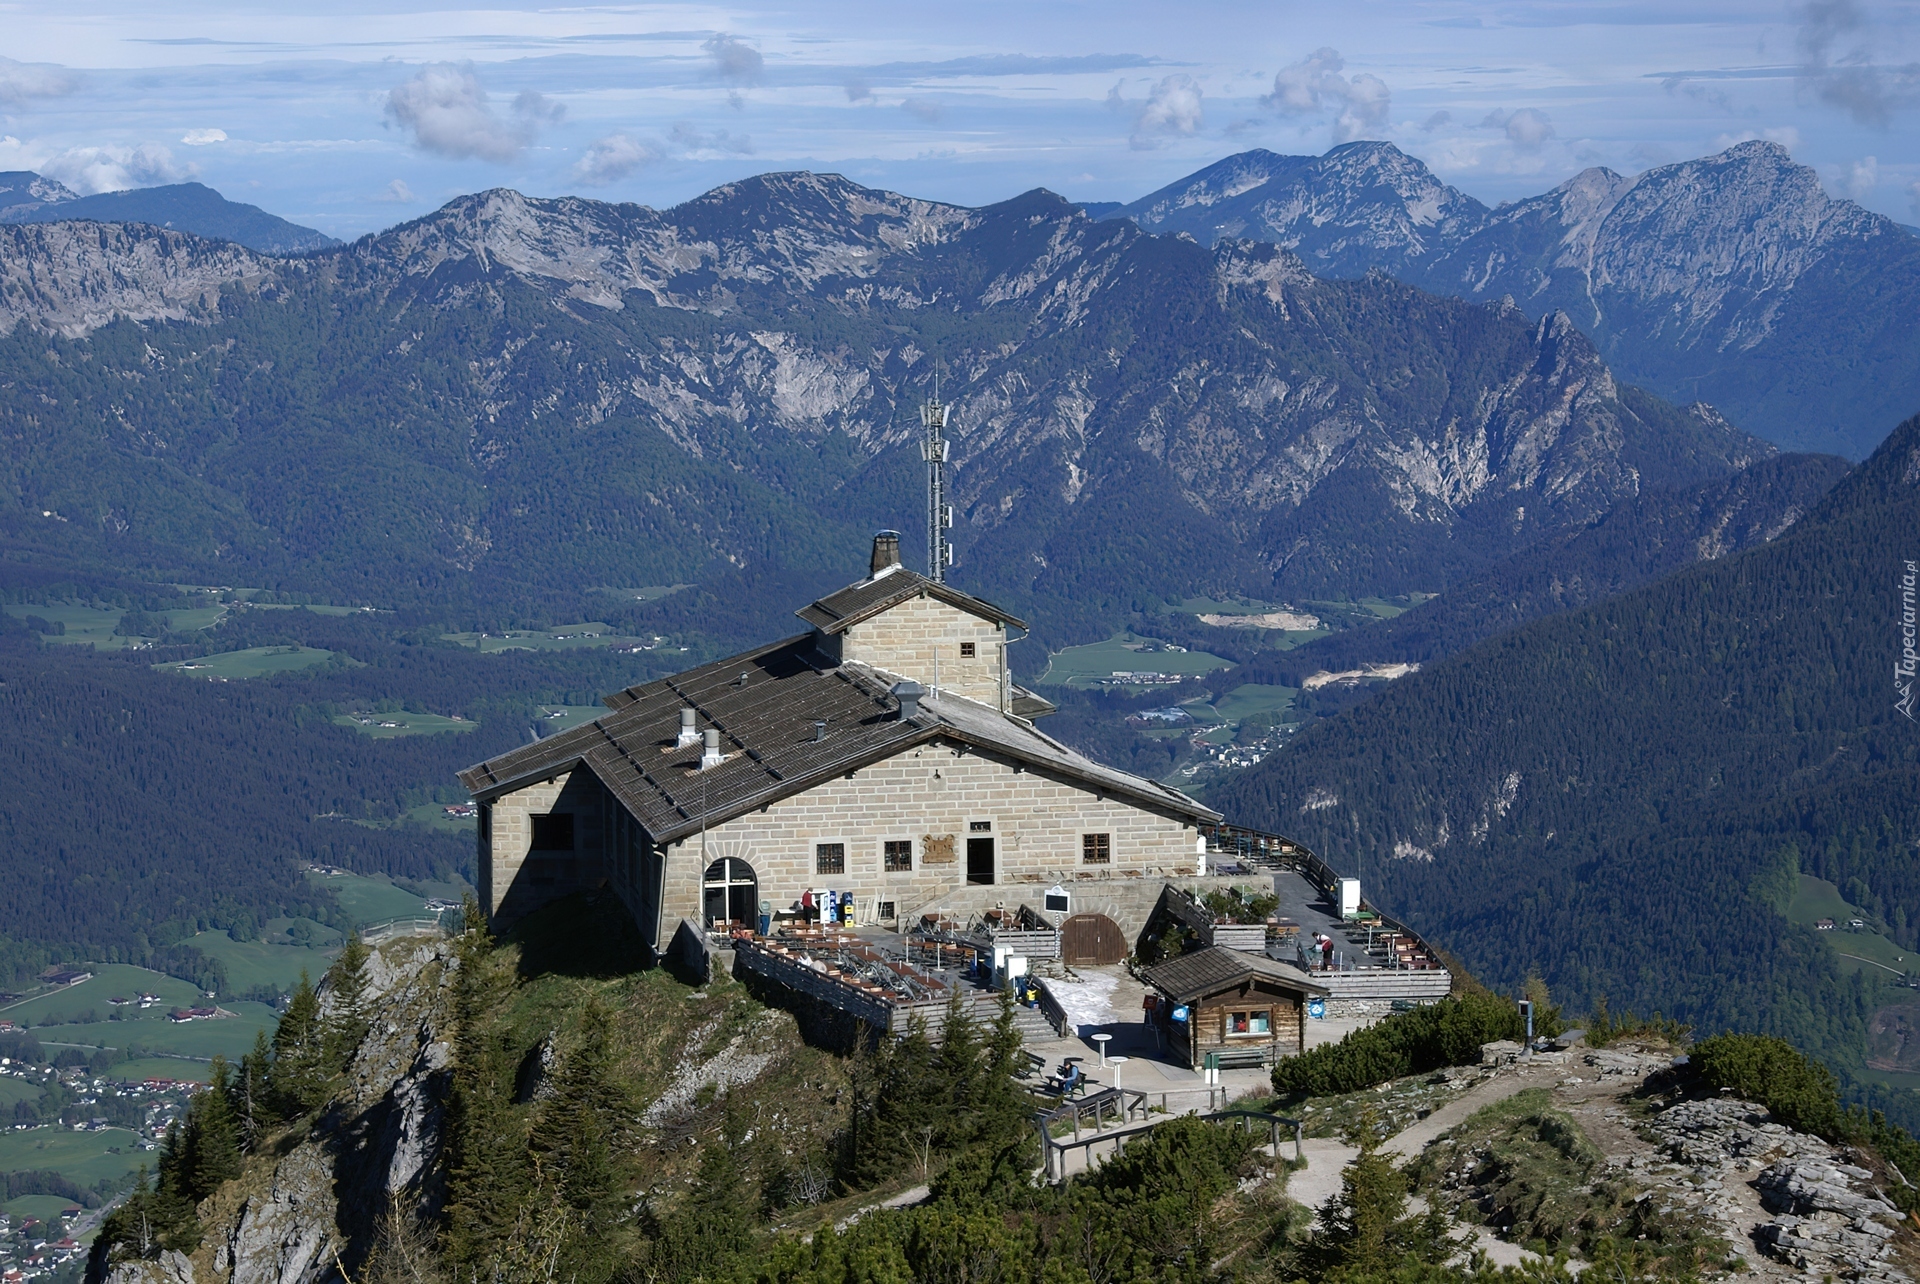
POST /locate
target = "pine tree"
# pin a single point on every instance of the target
(248, 1094)
(347, 1025)
(490, 1183)
(213, 1155)
(575, 1145)
(1359, 1221)
(296, 1079)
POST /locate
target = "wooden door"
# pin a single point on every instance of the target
(1091, 939)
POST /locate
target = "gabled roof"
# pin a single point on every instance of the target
(765, 703)
(844, 608)
(1203, 972)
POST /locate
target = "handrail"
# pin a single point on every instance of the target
(1050, 1145)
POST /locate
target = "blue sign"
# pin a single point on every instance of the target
(1316, 1008)
(1180, 1014)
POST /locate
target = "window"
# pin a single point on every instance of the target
(966, 650)
(553, 832)
(1257, 1023)
(883, 910)
(1248, 1023)
(897, 857)
(1096, 849)
(980, 826)
(1237, 1023)
(829, 858)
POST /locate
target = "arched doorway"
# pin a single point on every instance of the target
(1092, 939)
(732, 892)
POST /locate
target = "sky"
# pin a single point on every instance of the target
(358, 115)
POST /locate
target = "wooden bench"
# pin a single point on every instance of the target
(1244, 1058)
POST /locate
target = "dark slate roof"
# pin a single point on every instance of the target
(765, 703)
(1208, 971)
(844, 608)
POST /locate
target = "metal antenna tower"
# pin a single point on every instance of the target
(939, 513)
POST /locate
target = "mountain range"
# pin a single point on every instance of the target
(26, 197)
(1629, 795)
(512, 398)
(1733, 279)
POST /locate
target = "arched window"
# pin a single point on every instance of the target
(732, 893)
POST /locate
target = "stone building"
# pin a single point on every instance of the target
(885, 753)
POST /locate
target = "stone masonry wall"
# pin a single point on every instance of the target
(910, 637)
(934, 792)
(514, 879)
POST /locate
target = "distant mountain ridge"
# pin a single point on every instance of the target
(26, 197)
(521, 395)
(1732, 278)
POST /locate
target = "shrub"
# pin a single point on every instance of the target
(1447, 1033)
(1799, 1093)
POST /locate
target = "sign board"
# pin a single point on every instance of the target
(1180, 1013)
(1317, 1008)
(1057, 900)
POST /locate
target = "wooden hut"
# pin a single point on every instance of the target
(1248, 1008)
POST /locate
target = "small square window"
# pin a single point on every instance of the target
(980, 826)
(1257, 1023)
(883, 910)
(553, 832)
(1096, 849)
(897, 857)
(829, 858)
(966, 650)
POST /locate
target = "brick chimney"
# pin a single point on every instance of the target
(886, 553)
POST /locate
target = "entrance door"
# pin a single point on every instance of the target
(1092, 939)
(980, 860)
(732, 892)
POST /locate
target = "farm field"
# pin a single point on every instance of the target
(39, 1207)
(251, 963)
(110, 981)
(315, 607)
(565, 637)
(1817, 899)
(254, 662)
(81, 1157)
(434, 816)
(1126, 652)
(13, 1091)
(174, 1068)
(198, 1040)
(1250, 698)
(85, 624)
(384, 726)
(374, 898)
(648, 593)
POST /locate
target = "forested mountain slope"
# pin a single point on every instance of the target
(1638, 540)
(181, 207)
(1732, 278)
(1621, 796)
(515, 399)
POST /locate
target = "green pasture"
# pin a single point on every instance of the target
(251, 963)
(434, 816)
(1250, 698)
(281, 931)
(371, 898)
(315, 607)
(253, 662)
(89, 624)
(649, 593)
(564, 637)
(161, 1068)
(13, 1091)
(1227, 606)
(81, 1157)
(199, 1040)
(1081, 665)
(565, 717)
(1815, 899)
(384, 726)
(110, 981)
(39, 1207)
(202, 617)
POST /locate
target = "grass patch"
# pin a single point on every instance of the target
(199, 1040)
(254, 963)
(564, 717)
(93, 625)
(384, 726)
(1080, 666)
(564, 637)
(315, 607)
(372, 898)
(39, 1207)
(174, 1068)
(1859, 950)
(254, 662)
(1251, 698)
(82, 1157)
(650, 593)
(110, 981)
(14, 1091)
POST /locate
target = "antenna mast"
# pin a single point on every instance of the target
(939, 513)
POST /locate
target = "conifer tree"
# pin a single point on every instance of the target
(576, 1144)
(248, 1094)
(347, 1025)
(212, 1152)
(297, 1079)
(489, 1177)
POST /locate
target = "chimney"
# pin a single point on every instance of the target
(908, 693)
(819, 730)
(711, 755)
(886, 553)
(688, 735)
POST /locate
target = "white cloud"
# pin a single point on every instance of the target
(1436, 120)
(1527, 129)
(21, 82)
(738, 64)
(112, 168)
(448, 112)
(1861, 177)
(397, 193)
(858, 90)
(921, 109)
(1838, 50)
(1314, 84)
(696, 140)
(203, 137)
(1173, 107)
(612, 158)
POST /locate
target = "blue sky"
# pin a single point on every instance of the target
(353, 116)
